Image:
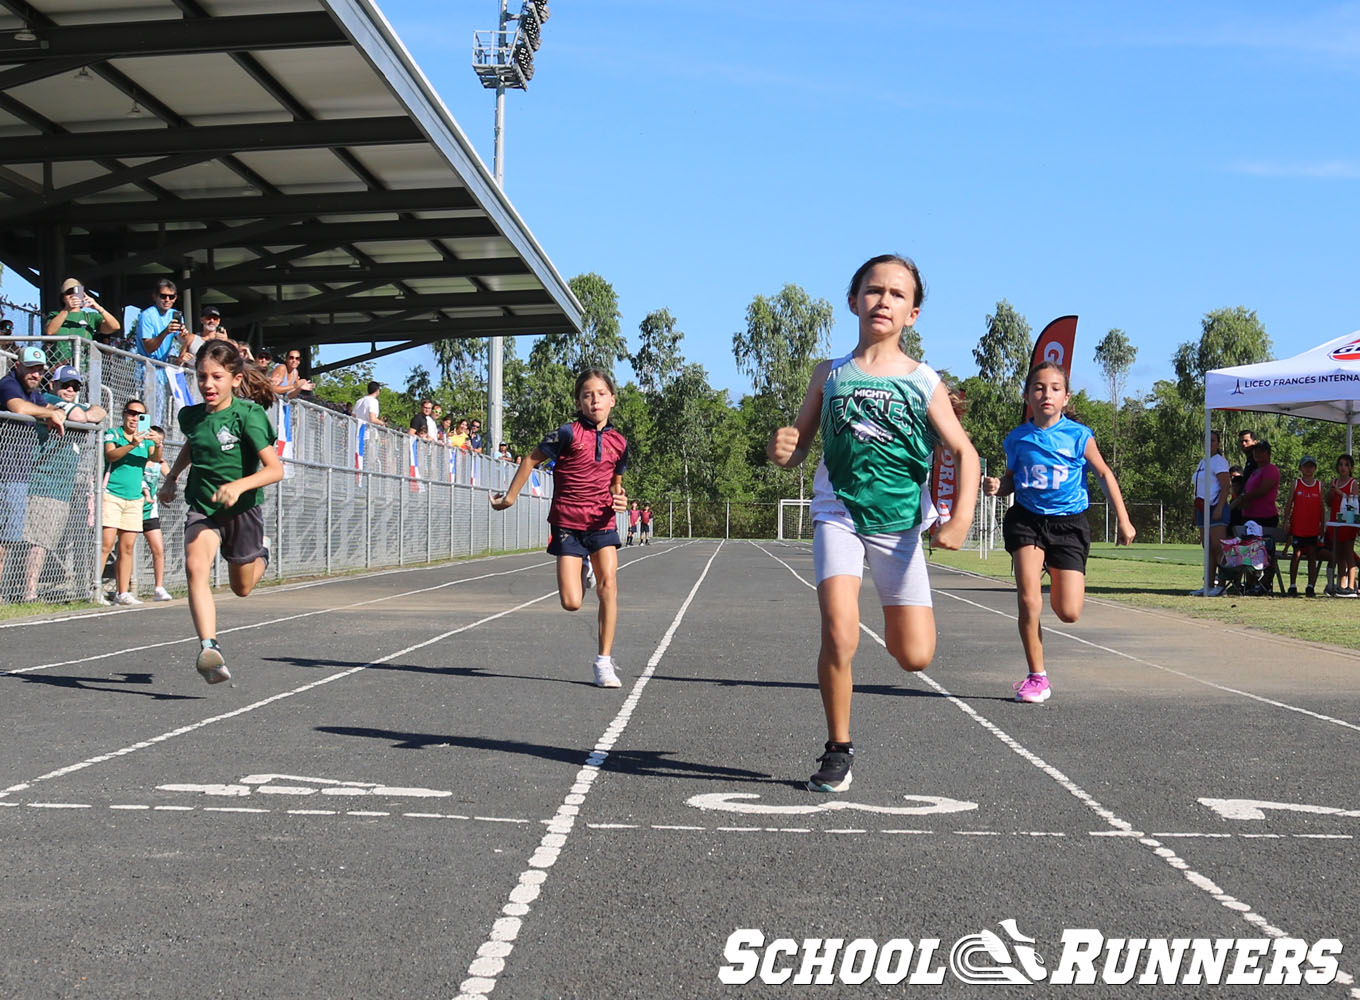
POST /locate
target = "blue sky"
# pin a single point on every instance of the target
(1137, 165)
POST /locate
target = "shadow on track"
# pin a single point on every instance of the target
(641, 763)
(98, 684)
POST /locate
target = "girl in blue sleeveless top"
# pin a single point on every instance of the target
(1047, 459)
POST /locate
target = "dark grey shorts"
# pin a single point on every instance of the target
(242, 535)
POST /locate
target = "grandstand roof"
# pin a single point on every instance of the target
(284, 160)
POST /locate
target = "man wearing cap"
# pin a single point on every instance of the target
(19, 394)
(56, 464)
(209, 328)
(80, 315)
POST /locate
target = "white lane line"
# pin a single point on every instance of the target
(319, 611)
(272, 621)
(1199, 881)
(195, 726)
(1148, 663)
(491, 955)
(670, 827)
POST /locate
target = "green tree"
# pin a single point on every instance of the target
(996, 394)
(657, 360)
(1228, 337)
(600, 343)
(911, 344)
(785, 336)
(1115, 354)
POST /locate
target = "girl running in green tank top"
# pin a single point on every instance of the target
(881, 414)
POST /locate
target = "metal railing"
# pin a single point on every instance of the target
(355, 495)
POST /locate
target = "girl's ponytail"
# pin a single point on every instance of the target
(256, 386)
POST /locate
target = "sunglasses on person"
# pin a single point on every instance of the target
(168, 296)
(295, 357)
(133, 413)
(68, 385)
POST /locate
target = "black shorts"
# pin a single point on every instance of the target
(1065, 538)
(569, 542)
(151, 524)
(1304, 542)
(646, 528)
(242, 536)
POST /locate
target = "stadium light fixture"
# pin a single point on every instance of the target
(503, 59)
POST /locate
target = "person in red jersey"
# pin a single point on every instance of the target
(589, 458)
(1303, 514)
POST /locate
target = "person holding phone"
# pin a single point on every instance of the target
(127, 449)
(80, 315)
(160, 325)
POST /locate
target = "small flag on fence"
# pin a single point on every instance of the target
(472, 469)
(360, 440)
(535, 486)
(181, 388)
(285, 439)
(415, 465)
(453, 465)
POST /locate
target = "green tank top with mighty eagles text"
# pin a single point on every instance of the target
(877, 443)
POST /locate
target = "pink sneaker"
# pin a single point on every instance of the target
(1033, 688)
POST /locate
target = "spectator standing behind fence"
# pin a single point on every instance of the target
(151, 515)
(127, 450)
(80, 315)
(475, 436)
(19, 394)
(160, 324)
(459, 437)
(209, 328)
(366, 406)
(56, 463)
(1303, 515)
(503, 453)
(422, 424)
(286, 380)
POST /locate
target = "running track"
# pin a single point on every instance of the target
(411, 789)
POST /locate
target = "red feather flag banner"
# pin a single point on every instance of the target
(1055, 343)
(943, 484)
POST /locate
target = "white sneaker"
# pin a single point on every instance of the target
(126, 597)
(162, 595)
(604, 674)
(588, 579)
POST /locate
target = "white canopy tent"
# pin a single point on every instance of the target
(1322, 384)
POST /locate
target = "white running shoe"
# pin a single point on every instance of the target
(604, 673)
(587, 575)
(162, 595)
(126, 597)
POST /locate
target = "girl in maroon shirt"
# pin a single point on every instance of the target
(589, 458)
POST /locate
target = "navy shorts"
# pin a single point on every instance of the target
(1065, 538)
(242, 534)
(569, 542)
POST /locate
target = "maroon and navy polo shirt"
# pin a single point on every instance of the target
(585, 459)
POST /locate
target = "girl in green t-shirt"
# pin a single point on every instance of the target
(230, 451)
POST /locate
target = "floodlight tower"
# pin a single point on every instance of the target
(504, 60)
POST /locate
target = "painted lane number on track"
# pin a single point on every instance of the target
(270, 784)
(924, 805)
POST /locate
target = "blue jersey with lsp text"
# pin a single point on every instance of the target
(1048, 466)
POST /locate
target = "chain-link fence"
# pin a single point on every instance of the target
(355, 495)
(49, 506)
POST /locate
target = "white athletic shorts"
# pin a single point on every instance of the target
(895, 559)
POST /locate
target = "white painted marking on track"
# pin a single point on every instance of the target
(1254, 809)
(1201, 882)
(1148, 663)
(484, 970)
(728, 802)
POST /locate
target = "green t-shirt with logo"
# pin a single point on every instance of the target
(223, 447)
(79, 322)
(125, 475)
(56, 459)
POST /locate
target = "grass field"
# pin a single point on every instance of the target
(1162, 576)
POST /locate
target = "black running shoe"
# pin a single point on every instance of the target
(834, 774)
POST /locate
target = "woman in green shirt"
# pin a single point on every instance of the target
(126, 452)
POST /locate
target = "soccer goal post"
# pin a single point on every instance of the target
(795, 520)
